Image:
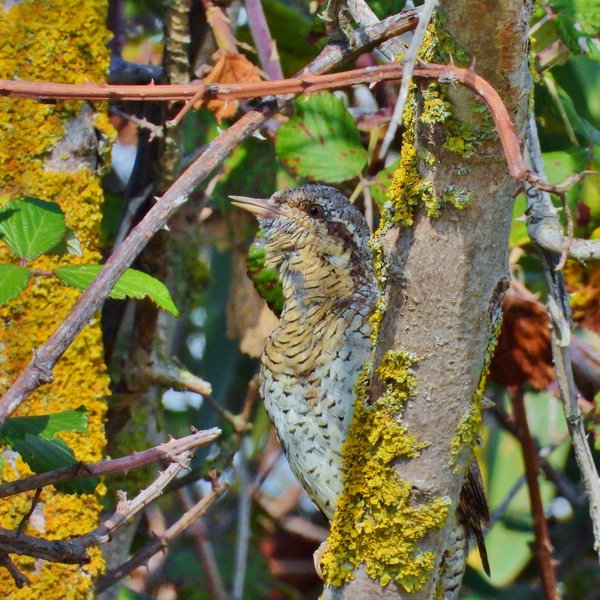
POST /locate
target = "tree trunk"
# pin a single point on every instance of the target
(444, 279)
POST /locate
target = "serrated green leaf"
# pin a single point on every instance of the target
(321, 141)
(30, 226)
(13, 280)
(44, 455)
(45, 426)
(132, 284)
(69, 244)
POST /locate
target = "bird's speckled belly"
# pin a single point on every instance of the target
(312, 411)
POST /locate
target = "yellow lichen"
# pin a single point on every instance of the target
(47, 40)
(409, 188)
(375, 521)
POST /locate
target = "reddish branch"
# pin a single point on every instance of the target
(543, 545)
(168, 452)
(307, 83)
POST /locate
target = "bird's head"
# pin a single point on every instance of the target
(311, 223)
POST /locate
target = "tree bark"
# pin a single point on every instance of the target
(445, 276)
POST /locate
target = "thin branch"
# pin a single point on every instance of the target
(543, 544)
(540, 207)
(34, 502)
(161, 543)
(170, 373)
(197, 530)
(19, 578)
(243, 526)
(169, 451)
(219, 23)
(156, 131)
(409, 60)
(307, 83)
(39, 370)
(265, 44)
(74, 550)
(563, 485)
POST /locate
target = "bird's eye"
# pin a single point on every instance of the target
(314, 210)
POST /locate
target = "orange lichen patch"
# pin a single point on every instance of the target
(48, 40)
(583, 283)
(523, 353)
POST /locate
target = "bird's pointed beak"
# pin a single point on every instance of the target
(257, 206)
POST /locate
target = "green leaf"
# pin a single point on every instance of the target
(45, 426)
(578, 25)
(13, 280)
(321, 141)
(382, 183)
(30, 226)
(294, 34)
(69, 244)
(132, 284)
(33, 438)
(44, 455)
(265, 280)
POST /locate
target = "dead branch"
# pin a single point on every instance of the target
(161, 544)
(169, 451)
(74, 550)
(539, 207)
(543, 545)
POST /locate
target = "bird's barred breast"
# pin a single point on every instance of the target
(308, 389)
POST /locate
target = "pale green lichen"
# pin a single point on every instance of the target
(376, 524)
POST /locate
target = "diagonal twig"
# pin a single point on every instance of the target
(160, 544)
(409, 60)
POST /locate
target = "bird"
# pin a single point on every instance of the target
(318, 243)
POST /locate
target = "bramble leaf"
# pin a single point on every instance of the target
(33, 438)
(30, 226)
(132, 284)
(321, 141)
(13, 280)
